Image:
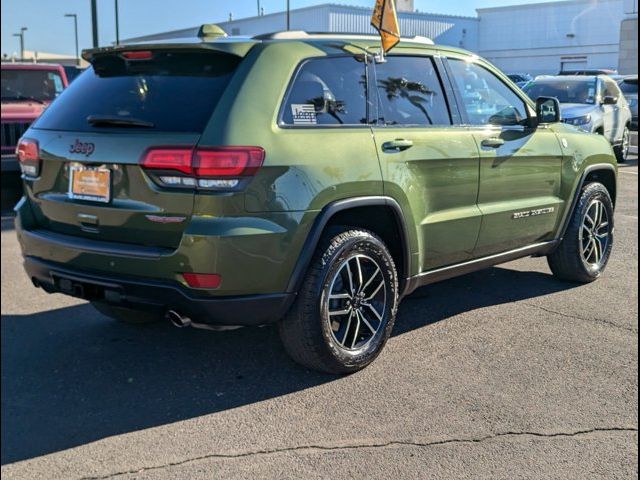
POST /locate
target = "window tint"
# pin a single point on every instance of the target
(486, 99)
(410, 93)
(328, 91)
(176, 92)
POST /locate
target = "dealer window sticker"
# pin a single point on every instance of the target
(304, 114)
(57, 82)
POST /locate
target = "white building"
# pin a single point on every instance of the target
(539, 38)
(550, 37)
(629, 38)
(443, 29)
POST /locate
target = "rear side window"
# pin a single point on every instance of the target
(410, 93)
(486, 99)
(172, 92)
(327, 91)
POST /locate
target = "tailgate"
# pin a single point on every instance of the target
(135, 211)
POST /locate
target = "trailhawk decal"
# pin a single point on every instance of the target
(159, 219)
(534, 213)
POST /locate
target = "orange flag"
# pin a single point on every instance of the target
(385, 20)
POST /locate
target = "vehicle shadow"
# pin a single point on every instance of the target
(70, 376)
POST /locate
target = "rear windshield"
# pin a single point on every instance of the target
(172, 92)
(29, 85)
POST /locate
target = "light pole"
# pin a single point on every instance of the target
(21, 35)
(94, 22)
(75, 26)
(117, 24)
(288, 15)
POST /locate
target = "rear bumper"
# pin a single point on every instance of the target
(151, 295)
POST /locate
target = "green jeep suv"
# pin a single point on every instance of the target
(300, 179)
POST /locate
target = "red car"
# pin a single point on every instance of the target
(27, 89)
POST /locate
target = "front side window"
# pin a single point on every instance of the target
(486, 99)
(410, 93)
(610, 89)
(328, 91)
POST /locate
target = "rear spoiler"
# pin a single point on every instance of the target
(239, 49)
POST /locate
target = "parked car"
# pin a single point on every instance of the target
(629, 87)
(72, 72)
(291, 178)
(592, 103)
(520, 79)
(27, 89)
(589, 72)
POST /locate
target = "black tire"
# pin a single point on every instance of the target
(622, 150)
(309, 337)
(126, 315)
(567, 262)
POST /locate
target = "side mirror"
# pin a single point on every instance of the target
(609, 100)
(548, 110)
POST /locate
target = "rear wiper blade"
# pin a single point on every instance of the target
(105, 121)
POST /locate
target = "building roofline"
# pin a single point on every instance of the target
(186, 30)
(539, 4)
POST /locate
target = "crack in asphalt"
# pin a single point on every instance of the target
(391, 443)
(576, 317)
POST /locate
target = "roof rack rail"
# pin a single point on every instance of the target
(302, 35)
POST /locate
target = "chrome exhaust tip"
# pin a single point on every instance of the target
(178, 320)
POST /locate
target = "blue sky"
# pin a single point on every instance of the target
(49, 31)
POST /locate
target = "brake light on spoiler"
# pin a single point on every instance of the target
(214, 169)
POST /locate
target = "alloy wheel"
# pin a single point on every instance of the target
(626, 143)
(356, 302)
(595, 234)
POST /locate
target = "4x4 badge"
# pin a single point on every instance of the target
(84, 148)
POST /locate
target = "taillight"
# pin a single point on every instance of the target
(217, 169)
(28, 154)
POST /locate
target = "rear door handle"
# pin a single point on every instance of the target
(397, 145)
(492, 142)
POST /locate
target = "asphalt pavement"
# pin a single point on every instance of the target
(504, 373)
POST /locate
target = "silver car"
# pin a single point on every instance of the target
(592, 103)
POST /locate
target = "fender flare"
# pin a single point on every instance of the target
(323, 218)
(576, 194)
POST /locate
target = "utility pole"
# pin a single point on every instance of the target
(258, 7)
(288, 15)
(75, 26)
(117, 24)
(21, 35)
(94, 22)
